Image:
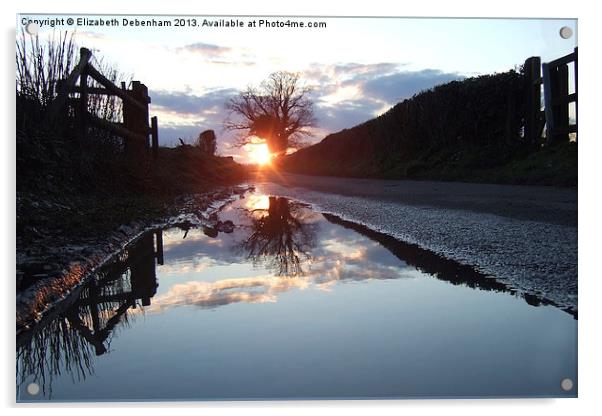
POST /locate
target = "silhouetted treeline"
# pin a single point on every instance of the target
(473, 123)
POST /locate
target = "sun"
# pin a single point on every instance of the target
(259, 153)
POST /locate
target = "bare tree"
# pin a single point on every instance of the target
(278, 111)
(280, 237)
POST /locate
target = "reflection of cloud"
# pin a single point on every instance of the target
(194, 265)
(325, 272)
(197, 247)
(341, 255)
(202, 294)
(346, 259)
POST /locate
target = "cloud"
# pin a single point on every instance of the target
(90, 36)
(184, 115)
(169, 135)
(186, 102)
(347, 94)
(206, 49)
(398, 86)
(340, 72)
(364, 71)
(346, 114)
(217, 54)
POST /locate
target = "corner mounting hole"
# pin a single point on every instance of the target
(33, 389)
(566, 384)
(32, 28)
(566, 32)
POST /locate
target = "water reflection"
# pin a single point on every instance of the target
(259, 248)
(82, 326)
(280, 237)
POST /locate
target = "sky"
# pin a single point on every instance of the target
(357, 68)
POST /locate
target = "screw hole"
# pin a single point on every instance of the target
(33, 389)
(566, 32)
(566, 384)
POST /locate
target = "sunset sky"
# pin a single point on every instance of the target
(357, 67)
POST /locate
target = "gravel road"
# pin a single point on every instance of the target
(524, 236)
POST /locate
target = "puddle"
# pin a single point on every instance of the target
(277, 301)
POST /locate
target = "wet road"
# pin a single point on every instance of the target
(536, 203)
(524, 236)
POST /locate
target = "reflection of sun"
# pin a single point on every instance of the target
(259, 153)
(258, 202)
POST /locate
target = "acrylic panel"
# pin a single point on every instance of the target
(295, 208)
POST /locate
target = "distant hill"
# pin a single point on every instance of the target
(466, 130)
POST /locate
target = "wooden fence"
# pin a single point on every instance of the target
(554, 76)
(106, 301)
(135, 129)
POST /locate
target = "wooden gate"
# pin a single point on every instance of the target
(135, 129)
(554, 76)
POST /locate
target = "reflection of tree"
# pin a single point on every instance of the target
(82, 326)
(280, 238)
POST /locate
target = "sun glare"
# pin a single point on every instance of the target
(259, 202)
(259, 153)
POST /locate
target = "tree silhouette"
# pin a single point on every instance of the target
(279, 238)
(207, 142)
(278, 111)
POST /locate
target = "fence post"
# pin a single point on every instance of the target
(548, 82)
(155, 136)
(533, 99)
(128, 120)
(82, 111)
(136, 120)
(159, 252)
(576, 87)
(143, 276)
(561, 109)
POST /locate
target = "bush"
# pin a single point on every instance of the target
(480, 112)
(207, 142)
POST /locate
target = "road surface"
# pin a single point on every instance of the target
(524, 236)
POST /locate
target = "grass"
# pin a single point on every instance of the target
(187, 169)
(551, 165)
(53, 200)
